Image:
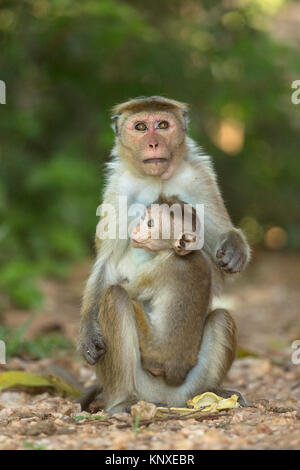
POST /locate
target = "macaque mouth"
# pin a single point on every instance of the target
(136, 244)
(155, 160)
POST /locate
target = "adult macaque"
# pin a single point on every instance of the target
(176, 288)
(153, 155)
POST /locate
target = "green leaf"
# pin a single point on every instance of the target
(63, 387)
(245, 353)
(33, 446)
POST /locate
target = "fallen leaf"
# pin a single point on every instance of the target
(207, 402)
(37, 382)
(241, 353)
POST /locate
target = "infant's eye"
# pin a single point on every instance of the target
(150, 223)
(140, 126)
(163, 125)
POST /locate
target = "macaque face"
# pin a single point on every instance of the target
(148, 232)
(153, 142)
(165, 227)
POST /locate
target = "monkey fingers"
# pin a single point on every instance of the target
(150, 364)
(181, 244)
(156, 372)
(94, 348)
(232, 255)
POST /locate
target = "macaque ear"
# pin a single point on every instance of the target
(114, 124)
(185, 243)
(186, 118)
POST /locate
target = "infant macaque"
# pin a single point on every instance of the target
(173, 288)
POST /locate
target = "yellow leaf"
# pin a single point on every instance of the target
(207, 399)
(63, 387)
(22, 379)
(207, 402)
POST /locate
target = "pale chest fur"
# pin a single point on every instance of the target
(134, 266)
(147, 190)
(133, 263)
(187, 184)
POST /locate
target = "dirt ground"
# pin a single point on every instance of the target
(265, 303)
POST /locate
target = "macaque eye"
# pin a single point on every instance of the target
(140, 126)
(150, 223)
(163, 125)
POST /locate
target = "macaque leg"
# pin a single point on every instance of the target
(218, 345)
(150, 360)
(217, 353)
(116, 370)
(120, 372)
(221, 325)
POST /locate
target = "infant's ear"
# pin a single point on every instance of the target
(185, 243)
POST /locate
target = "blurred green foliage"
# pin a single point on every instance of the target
(45, 345)
(66, 62)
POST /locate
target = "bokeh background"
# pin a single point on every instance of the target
(67, 62)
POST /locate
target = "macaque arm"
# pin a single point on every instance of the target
(91, 343)
(226, 244)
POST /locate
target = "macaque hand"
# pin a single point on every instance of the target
(233, 253)
(182, 244)
(92, 345)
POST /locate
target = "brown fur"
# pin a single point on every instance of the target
(142, 324)
(174, 350)
(113, 301)
(186, 282)
(153, 102)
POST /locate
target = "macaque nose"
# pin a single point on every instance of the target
(153, 146)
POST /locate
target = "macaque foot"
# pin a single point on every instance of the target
(88, 396)
(122, 407)
(233, 253)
